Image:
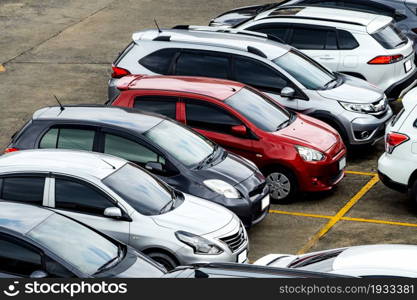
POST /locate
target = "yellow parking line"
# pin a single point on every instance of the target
(299, 214)
(379, 222)
(361, 173)
(2, 68)
(336, 218)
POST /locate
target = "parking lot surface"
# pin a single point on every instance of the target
(65, 48)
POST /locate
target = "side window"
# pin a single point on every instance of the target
(161, 105)
(254, 73)
(346, 40)
(130, 150)
(159, 61)
(23, 189)
(280, 31)
(79, 197)
(209, 117)
(309, 38)
(68, 138)
(18, 260)
(202, 64)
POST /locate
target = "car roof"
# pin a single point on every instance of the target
(372, 22)
(71, 162)
(21, 218)
(214, 37)
(398, 257)
(215, 88)
(108, 115)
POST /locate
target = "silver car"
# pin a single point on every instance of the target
(126, 202)
(357, 109)
(358, 261)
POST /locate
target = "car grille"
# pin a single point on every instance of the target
(236, 240)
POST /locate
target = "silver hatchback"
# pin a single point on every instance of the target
(125, 202)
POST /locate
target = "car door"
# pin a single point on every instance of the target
(86, 203)
(318, 42)
(263, 77)
(216, 123)
(159, 104)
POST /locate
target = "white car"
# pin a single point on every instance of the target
(360, 44)
(125, 202)
(397, 167)
(359, 261)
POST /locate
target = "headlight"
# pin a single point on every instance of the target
(222, 188)
(309, 154)
(360, 108)
(198, 243)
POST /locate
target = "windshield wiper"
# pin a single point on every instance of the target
(111, 262)
(208, 159)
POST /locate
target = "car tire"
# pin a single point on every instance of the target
(283, 185)
(165, 260)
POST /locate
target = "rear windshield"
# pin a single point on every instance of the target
(390, 37)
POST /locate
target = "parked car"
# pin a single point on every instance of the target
(360, 261)
(126, 202)
(397, 167)
(295, 152)
(184, 159)
(404, 12)
(354, 107)
(32, 245)
(360, 44)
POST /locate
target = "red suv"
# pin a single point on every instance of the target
(295, 152)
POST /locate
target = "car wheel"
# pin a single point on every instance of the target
(165, 260)
(282, 185)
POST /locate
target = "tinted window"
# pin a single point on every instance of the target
(160, 105)
(331, 42)
(258, 109)
(143, 192)
(370, 6)
(23, 189)
(209, 117)
(129, 150)
(79, 197)
(390, 37)
(313, 39)
(159, 61)
(68, 138)
(346, 40)
(183, 144)
(275, 30)
(18, 260)
(201, 64)
(257, 74)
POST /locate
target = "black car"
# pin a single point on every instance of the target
(178, 155)
(404, 12)
(32, 246)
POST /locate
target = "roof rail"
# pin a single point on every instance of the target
(163, 38)
(311, 18)
(256, 51)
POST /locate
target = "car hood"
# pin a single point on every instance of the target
(233, 170)
(310, 131)
(196, 216)
(353, 90)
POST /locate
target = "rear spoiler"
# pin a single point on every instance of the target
(124, 82)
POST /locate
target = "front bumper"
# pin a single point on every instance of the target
(401, 87)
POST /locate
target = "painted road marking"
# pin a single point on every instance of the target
(2, 68)
(361, 173)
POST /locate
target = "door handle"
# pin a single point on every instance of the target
(326, 58)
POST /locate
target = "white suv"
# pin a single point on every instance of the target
(397, 167)
(360, 44)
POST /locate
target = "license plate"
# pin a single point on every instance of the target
(408, 65)
(342, 163)
(242, 256)
(265, 202)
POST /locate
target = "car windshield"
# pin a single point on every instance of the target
(78, 245)
(309, 73)
(322, 262)
(390, 37)
(144, 192)
(183, 144)
(259, 110)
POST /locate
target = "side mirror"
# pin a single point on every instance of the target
(287, 92)
(113, 212)
(154, 166)
(239, 130)
(39, 274)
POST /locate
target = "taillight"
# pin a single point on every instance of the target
(119, 72)
(393, 140)
(386, 59)
(8, 150)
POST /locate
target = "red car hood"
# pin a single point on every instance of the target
(311, 131)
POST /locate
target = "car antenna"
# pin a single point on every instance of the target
(113, 167)
(157, 26)
(60, 105)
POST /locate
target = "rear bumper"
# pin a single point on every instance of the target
(399, 88)
(388, 182)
